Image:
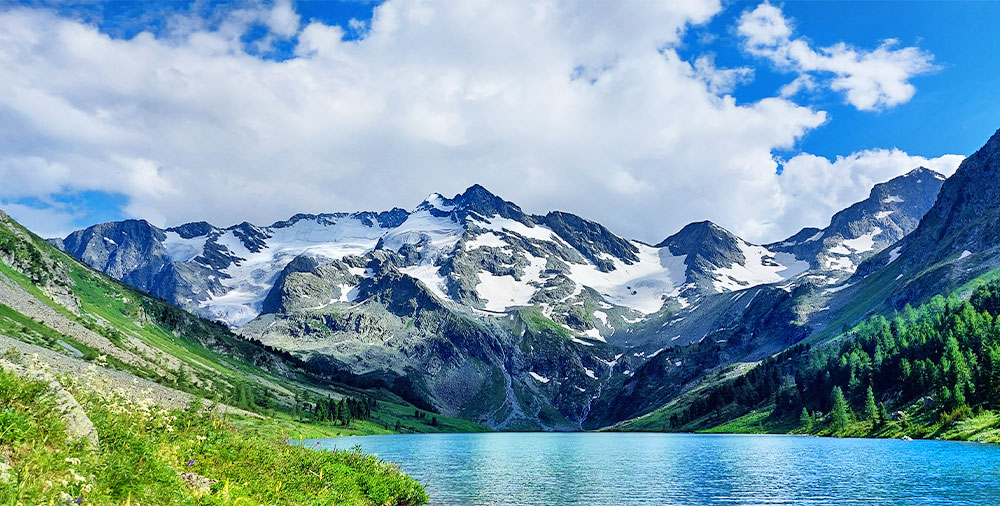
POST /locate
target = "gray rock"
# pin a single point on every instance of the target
(198, 482)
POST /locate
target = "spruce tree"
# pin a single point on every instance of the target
(806, 419)
(839, 409)
(871, 410)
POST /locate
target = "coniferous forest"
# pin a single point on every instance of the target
(934, 365)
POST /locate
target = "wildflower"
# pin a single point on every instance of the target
(72, 460)
(190, 463)
(77, 477)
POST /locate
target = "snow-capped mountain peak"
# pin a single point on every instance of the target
(478, 251)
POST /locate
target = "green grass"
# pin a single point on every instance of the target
(144, 450)
(383, 421)
(754, 422)
(916, 423)
(537, 323)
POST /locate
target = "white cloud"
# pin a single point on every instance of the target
(720, 80)
(870, 80)
(55, 220)
(584, 108)
(282, 19)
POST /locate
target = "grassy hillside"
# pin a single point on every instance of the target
(929, 372)
(70, 321)
(149, 455)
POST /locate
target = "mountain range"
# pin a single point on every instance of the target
(471, 307)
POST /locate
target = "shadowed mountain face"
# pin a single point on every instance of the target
(469, 306)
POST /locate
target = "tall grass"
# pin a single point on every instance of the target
(151, 456)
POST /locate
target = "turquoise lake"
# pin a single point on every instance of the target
(681, 469)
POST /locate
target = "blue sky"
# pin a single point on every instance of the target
(228, 111)
(955, 109)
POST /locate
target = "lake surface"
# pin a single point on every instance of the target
(682, 469)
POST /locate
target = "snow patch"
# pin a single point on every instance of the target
(429, 275)
(642, 286)
(489, 239)
(539, 377)
(839, 264)
(894, 254)
(503, 292)
(181, 249)
(497, 223)
(760, 266)
(838, 288)
(864, 242)
(594, 334)
(348, 293)
(601, 315)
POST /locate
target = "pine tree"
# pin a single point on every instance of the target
(839, 409)
(345, 414)
(871, 410)
(806, 419)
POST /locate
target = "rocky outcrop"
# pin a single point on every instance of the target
(78, 425)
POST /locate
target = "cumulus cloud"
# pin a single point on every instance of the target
(720, 80)
(585, 108)
(870, 80)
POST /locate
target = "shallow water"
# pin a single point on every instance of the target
(682, 469)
